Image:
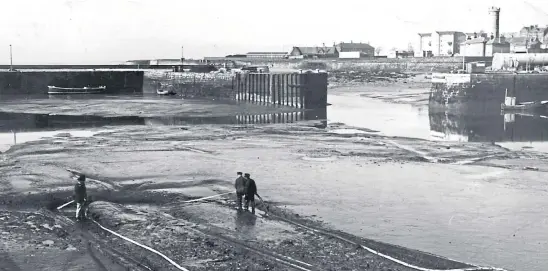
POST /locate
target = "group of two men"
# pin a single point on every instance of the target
(245, 187)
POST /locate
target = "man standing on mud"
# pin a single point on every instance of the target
(250, 191)
(80, 197)
(240, 188)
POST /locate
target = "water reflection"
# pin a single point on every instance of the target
(42, 122)
(245, 222)
(491, 126)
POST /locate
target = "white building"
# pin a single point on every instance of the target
(439, 43)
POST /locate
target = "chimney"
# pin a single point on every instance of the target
(495, 14)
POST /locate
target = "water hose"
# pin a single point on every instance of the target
(143, 246)
(65, 205)
(209, 197)
(387, 257)
(132, 241)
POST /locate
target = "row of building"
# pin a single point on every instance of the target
(340, 50)
(530, 39)
(450, 43)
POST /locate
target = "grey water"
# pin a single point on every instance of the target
(430, 122)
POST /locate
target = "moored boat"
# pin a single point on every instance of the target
(165, 92)
(526, 106)
(82, 90)
(511, 105)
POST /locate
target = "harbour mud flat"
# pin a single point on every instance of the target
(141, 177)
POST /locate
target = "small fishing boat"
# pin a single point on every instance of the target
(82, 90)
(526, 106)
(165, 92)
(511, 105)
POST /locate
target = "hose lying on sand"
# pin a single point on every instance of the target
(387, 257)
(132, 241)
(143, 246)
(476, 268)
(209, 197)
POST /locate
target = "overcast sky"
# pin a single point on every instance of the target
(101, 31)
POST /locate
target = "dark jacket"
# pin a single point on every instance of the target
(240, 185)
(251, 187)
(80, 193)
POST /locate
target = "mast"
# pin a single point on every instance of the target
(11, 59)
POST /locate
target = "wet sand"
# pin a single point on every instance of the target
(473, 202)
(136, 165)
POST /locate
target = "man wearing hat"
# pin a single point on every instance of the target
(240, 188)
(250, 191)
(80, 197)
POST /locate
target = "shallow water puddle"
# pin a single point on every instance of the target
(7, 140)
(525, 146)
(242, 222)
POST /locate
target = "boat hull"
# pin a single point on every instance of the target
(85, 90)
(523, 107)
(165, 92)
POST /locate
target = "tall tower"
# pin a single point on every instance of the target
(495, 15)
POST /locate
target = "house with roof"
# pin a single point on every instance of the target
(314, 52)
(483, 46)
(534, 31)
(439, 43)
(525, 45)
(364, 49)
(475, 46)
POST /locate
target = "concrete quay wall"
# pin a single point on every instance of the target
(481, 93)
(192, 85)
(29, 82)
